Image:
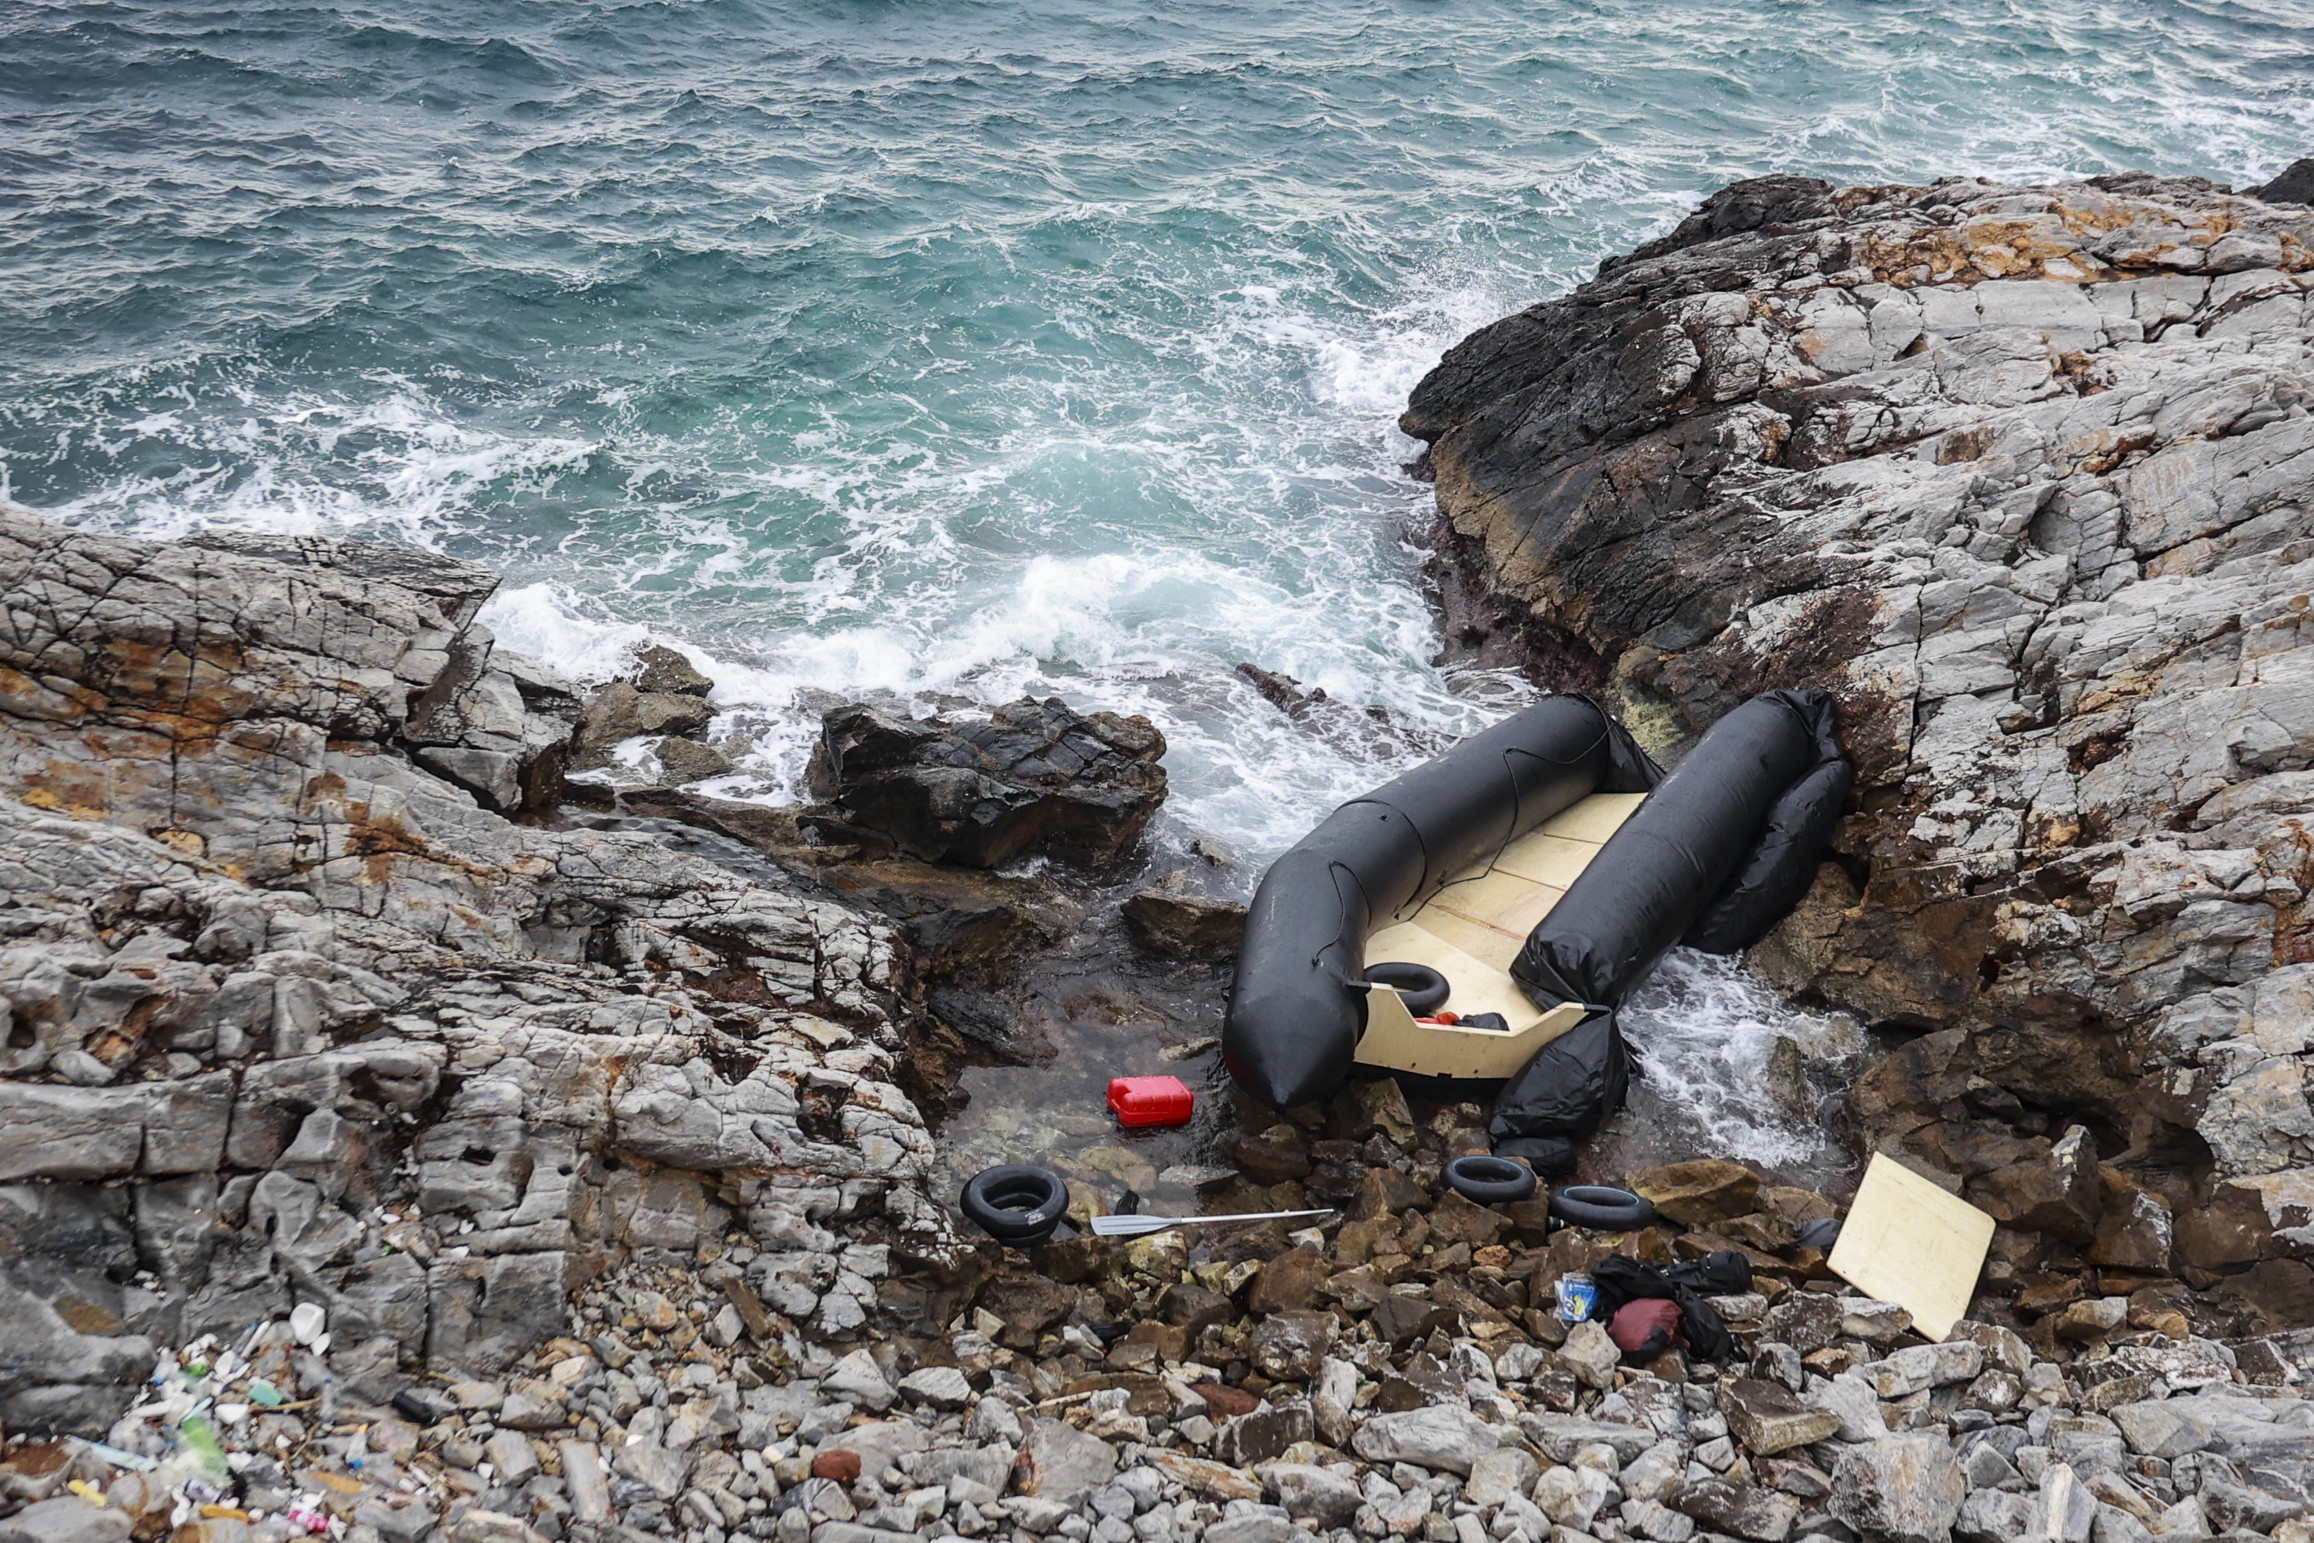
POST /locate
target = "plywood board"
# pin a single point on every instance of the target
(1478, 986)
(1908, 1242)
(1394, 1040)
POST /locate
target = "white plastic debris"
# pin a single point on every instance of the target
(305, 1322)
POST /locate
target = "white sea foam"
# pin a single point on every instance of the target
(1705, 1029)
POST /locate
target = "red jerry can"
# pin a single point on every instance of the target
(1145, 1101)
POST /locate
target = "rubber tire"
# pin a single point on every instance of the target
(1015, 1204)
(1422, 988)
(1601, 1208)
(1485, 1180)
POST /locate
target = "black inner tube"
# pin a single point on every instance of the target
(1015, 1203)
(1422, 988)
(1490, 1180)
(1601, 1207)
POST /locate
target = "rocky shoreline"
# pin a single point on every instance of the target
(401, 1140)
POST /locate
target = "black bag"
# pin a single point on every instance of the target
(1570, 1087)
(1622, 1279)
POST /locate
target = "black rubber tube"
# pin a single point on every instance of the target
(1665, 865)
(1016, 1204)
(1490, 1180)
(1601, 1207)
(1421, 988)
(1298, 1003)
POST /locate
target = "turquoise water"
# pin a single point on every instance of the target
(943, 350)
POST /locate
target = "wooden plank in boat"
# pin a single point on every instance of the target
(1595, 818)
(1469, 932)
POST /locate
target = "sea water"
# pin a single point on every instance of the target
(945, 352)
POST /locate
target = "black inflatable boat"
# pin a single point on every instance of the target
(1482, 916)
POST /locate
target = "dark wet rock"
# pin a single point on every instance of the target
(2059, 1193)
(2295, 184)
(1193, 1308)
(1273, 1156)
(686, 760)
(1174, 924)
(989, 1021)
(1036, 779)
(1027, 1305)
(660, 669)
(619, 712)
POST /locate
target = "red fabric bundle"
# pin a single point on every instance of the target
(1646, 1327)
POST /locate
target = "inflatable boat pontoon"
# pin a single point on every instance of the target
(1538, 870)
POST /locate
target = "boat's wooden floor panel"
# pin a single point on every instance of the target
(1472, 929)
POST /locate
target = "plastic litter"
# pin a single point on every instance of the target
(1151, 1102)
(306, 1321)
(201, 1441)
(1577, 1296)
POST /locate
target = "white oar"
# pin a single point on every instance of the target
(1142, 1226)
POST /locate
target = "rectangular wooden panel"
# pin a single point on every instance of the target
(1908, 1242)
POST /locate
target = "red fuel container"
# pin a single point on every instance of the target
(1151, 1100)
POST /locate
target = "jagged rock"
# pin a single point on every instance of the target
(1767, 1419)
(1698, 1193)
(1906, 1489)
(2060, 1194)
(2020, 475)
(662, 669)
(258, 908)
(1591, 1353)
(1036, 779)
(1262, 1433)
(858, 1379)
(686, 760)
(1315, 1493)
(1060, 1462)
(2295, 185)
(1288, 1282)
(2135, 1231)
(1439, 1437)
(1291, 1346)
(1743, 1509)
(1175, 924)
